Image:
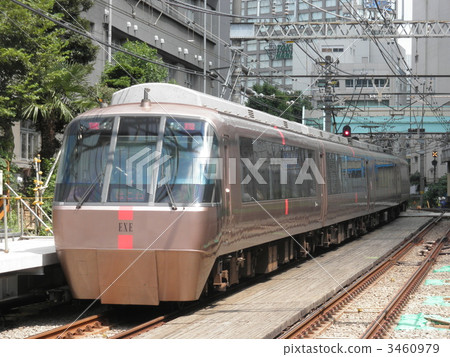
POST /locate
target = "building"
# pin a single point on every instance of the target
(27, 142)
(432, 56)
(191, 41)
(311, 66)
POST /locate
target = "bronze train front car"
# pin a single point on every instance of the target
(164, 198)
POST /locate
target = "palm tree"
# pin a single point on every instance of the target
(62, 94)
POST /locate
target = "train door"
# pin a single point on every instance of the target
(228, 173)
(323, 188)
(371, 183)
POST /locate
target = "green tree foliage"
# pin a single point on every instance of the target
(80, 49)
(24, 37)
(62, 93)
(274, 101)
(127, 70)
(436, 190)
(414, 179)
(40, 78)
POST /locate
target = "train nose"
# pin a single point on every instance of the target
(112, 276)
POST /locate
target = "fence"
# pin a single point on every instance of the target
(23, 217)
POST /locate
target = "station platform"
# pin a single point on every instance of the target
(425, 213)
(26, 254)
(265, 309)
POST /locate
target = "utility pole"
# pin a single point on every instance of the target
(110, 31)
(235, 49)
(327, 84)
(422, 153)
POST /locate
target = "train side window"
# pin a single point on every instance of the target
(345, 174)
(266, 183)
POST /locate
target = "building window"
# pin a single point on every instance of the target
(265, 7)
(303, 17)
(303, 6)
(364, 83)
(189, 83)
(29, 140)
(252, 6)
(381, 82)
(349, 83)
(251, 46)
(330, 17)
(264, 60)
(316, 16)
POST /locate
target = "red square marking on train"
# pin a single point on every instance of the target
(189, 126)
(125, 214)
(94, 126)
(125, 242)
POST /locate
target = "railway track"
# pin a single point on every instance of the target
(83, 328)
(147, 326)
(98, 324)
(380, 326)
(321, 319)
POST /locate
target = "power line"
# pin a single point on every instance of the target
(70, 27)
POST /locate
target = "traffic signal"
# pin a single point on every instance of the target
(434, 154)
(347, 131)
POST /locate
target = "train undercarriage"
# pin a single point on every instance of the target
(230, 269)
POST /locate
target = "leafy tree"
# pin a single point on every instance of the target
(24, 38)
(80, 49)
(40, 78)
(436, 190)
(128, 70)
(274, 101)
(414, 179)
(62, 93)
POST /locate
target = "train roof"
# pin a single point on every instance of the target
(171, 93)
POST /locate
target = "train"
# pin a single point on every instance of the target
(168, 193)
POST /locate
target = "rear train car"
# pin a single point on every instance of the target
(168, 193)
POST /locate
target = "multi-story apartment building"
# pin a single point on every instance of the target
(189, 38)
(303, 65)
(432, 56)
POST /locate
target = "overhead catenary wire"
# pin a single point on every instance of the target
(376, 41)
(115, 47)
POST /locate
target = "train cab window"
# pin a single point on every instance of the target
(83, 160)
(139, 159)
(136, 147)
(190, 167)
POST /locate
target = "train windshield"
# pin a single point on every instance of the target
(135, 159)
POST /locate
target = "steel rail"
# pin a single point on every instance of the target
(146, 326)
(88, 325)
(379, 326)
(324, 313)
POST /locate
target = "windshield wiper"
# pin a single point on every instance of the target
(169, 193)
(88, 191)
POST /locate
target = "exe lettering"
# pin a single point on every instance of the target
(125, 227)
